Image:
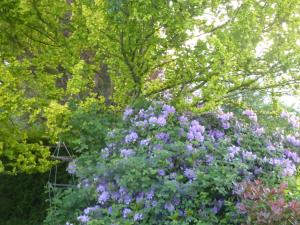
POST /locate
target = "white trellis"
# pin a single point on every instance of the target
(61, 153)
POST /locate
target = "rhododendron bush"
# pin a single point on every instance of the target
(165, 167)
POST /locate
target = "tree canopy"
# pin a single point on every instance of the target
(58, 55)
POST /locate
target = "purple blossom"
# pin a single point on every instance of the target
(183, 120)
(190, 174)
(116, 196)
(71, 169)
(209, 159)
(169, 206)
(189, 148)
(217, 206)
(145, 142)
(167, 109)
(233, 150)
(103, 197)
(293, 140)
(162, 136)
(150, 194)
(224, 117)
(158, 147)
(287, 166)
(142, 123)
(285, 115)
(196, 132)
(126, 212)
(88, 210)
(127, 153)
(128, 112)
(152, 120)
(127, 199)
(161, 121)
(83, 218)
(138, 216)
(105, 153)
(250, 114)
(270, 147)
(132, 137)
(217, 134)
(101, 188)
(161, 172)
(249, 155)
(226, 125)
(259, 131)
(292, 155)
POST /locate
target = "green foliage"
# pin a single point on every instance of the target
(23, 199)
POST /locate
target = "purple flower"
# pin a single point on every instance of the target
(127, 199)
(209, 159)
(153, 119)
(88, 210)
(150, 194)
(285, 115)
(259, 131)
(71, 168)
(169, 206)
(183, 120)
(270, 147)
(249, 155)
(226, 125)
(293, 140)
(116, 196)
(189, 148)
(190, 174)
(138, 216)
(292, 155)
(83, 218)
(195, 132)
(145, 142)
(216, 134)
(167, 109)
(161, 121)
(162, 136)
(250, 114)
(127, 153)
(161, 172)
(132, 137)
(224, 117)
(199, 137)
(233, 150)
(126, 212)
(101, 188)
(128, 112)
(141, 123)
(217, 206)
(103, 197)
(105, 153)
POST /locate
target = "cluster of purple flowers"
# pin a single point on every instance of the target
(292, 119)
(225, 118)
(250, 114)
(293, 140)
(131, 137)
(177, 151)
(196, 131)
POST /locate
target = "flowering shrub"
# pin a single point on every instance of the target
(169, 168)
(266, 205)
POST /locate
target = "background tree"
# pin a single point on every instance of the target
(56, 55)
